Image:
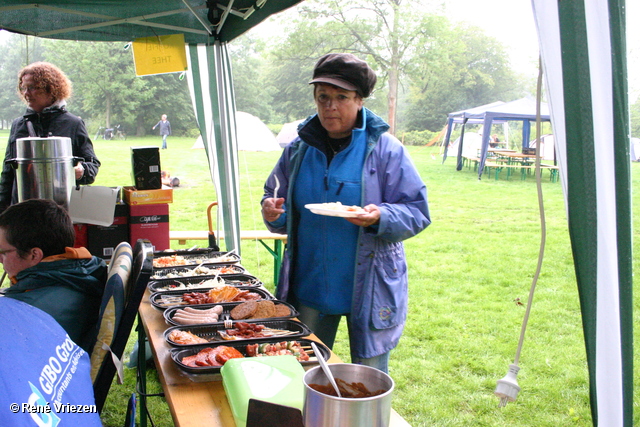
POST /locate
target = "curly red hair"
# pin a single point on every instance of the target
(49, 78)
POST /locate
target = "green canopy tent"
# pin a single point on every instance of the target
(582, 44)
(207, 26)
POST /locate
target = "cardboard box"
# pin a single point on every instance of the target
(102, 240)
(145, 162)
(81, 235)
(150, 222)
(134, 196)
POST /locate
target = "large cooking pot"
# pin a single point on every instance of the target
(44, 169)
(323, 410)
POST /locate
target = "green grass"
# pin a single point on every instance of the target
(467, 272)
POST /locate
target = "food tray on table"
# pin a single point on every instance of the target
(169, 313)
(163, 300)
(184, 258)
(282, 329)
(188, 283)
(179, 353)
(197, 270)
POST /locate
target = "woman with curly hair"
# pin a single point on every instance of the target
(45, 89)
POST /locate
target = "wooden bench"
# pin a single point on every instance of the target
(469, 160)
(279, 240)
(553, 170)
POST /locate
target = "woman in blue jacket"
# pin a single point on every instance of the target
(353, 267)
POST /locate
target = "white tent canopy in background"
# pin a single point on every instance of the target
(470, 148)
(252, 134)
(547, 150)
(288, 133)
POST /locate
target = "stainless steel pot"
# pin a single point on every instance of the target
(323, 410)
(44, 169)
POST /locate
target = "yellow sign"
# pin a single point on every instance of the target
(159, 55)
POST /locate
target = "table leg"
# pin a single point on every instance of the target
(276, 252)
(142, 373)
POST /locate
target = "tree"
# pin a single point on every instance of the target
(426, 67)
(108, 92)
(383, 32)
(18, 51)
(462, 68)
(249, 80)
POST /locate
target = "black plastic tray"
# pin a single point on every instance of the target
(226, 309)
(195, 251)
(156, 297)
(197, 258)
(187, 271)
(210, 332)
(192, 282)
(177, 354)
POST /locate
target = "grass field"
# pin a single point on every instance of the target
(470, 272)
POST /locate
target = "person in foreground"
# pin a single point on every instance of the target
(45, 89)
(44, 375)
(353, 267)
(36, 239)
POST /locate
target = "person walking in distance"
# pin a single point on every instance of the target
(165, 130)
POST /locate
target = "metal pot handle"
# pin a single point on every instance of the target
(76, 160)
(12, 162)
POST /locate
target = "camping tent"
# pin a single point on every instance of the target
(547, 147)
(207, 27)
(288, 133)
(253, 134)
(523, 110)
(470, 148)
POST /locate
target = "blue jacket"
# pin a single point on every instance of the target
(70, 290)
(380, 289)
(41, 366)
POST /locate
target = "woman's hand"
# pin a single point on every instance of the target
(366, 220)
(272, 208)
(79, 169)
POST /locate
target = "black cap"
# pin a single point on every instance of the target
(345, 71)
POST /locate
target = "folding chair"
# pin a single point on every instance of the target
(141, 271)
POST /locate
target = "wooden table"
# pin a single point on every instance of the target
(279, 240)
(191, 403)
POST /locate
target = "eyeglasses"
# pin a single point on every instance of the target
(25, 89)
(6, 251)
(324, 99)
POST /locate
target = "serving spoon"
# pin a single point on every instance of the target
(325, 368)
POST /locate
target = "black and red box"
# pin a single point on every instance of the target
(102, 240)
(81, 235)
(150, 222)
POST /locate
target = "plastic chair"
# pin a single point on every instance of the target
(130, 420)
(112, 307)
(141, 271)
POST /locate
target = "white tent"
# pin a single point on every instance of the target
(470, 148)
(547, 148)
(253, 134)
(288, 133)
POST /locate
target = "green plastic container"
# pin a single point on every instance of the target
(274, 379)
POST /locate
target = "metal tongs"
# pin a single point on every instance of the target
(275, 190)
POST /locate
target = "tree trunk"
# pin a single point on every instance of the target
(394, 42)
(108, 110)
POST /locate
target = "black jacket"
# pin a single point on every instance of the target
(52, 121)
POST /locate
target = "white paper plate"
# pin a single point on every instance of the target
(320, 209)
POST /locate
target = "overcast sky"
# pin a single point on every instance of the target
(511, 22)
